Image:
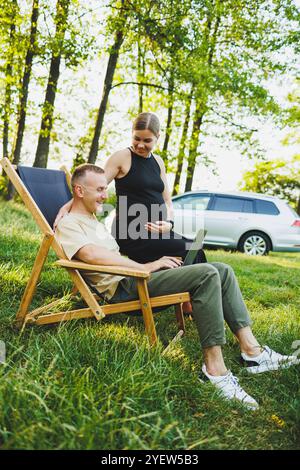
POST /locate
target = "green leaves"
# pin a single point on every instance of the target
(277, 177)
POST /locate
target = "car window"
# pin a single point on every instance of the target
(192, 202)
(229, 204)
(266, 207)
(248, 206)
(292, 210)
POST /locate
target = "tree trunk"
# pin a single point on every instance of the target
(141, 74)
(42, 151)
(8, 79)
(25, 83)
(197, 122)
(298, 206)
(211, 39)
(24, 92)
(169, 121)
(110, 71)
(7, 109)
(180, 156)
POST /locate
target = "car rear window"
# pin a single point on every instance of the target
(292, 210)
(232, 204)
(266, 207)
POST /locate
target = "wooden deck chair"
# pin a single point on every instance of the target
(36, 187)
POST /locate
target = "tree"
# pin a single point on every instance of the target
(25, 82)
(119, 35)
(24, 92)
(155, 28)
(228, 35)
(42, 151)
(141, 73)
(166, 33)
(278, 178)
(10, 21)
(182, 145)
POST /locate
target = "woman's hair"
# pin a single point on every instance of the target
(146, 121)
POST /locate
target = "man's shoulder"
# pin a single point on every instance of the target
(75, 220)
(66, 221)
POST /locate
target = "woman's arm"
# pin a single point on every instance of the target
(166, 193)
(163, 226)
(116, 165)
(62, 211)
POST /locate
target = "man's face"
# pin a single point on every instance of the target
(92, 191)
(143, 142)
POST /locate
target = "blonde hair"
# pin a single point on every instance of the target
(147, 121)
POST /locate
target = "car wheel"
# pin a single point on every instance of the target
(254, 244)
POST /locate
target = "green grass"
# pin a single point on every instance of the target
(89, 385)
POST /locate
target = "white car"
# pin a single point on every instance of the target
(252, 223)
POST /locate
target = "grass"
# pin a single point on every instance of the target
(89, 385)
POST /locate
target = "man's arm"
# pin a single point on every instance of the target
(93, 254)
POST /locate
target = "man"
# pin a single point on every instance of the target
(213, 287)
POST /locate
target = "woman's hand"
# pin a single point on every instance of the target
(62, 212)
(160, 226)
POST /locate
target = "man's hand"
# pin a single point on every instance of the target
(160, 226)
(166, 262)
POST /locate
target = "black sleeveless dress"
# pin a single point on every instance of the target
(140, 200)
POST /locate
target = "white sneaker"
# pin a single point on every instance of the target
(229, 387)
(268, 360)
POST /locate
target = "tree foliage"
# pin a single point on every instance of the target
(278, 178)
(202, 65)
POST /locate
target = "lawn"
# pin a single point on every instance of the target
(89, 385)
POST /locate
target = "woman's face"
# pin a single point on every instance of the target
(143, 142)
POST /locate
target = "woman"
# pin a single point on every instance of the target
(141, 183)
(144, 223)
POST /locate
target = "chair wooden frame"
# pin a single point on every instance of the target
(39, 316)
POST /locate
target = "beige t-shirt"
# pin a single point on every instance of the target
(74, 231)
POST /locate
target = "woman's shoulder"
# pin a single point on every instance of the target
(120, 154)
(118, 164)
(118, 159)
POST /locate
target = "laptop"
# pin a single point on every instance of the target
(195, 247)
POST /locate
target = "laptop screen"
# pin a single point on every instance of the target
(196, 246)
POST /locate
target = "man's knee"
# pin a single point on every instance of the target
(201, 270)
(207, 269)
(224, 269)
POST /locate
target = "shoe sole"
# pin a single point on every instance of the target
(271, 367)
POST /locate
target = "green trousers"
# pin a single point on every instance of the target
(214, 291)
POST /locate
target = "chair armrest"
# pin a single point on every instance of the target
(102, 269)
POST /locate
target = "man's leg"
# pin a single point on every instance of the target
(205, 287)
(235, 311)
(213, 288)
(256, 358)
(204, 284)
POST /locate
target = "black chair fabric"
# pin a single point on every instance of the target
(48, 188)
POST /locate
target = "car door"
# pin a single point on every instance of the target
(189, 213)
(227, 219)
